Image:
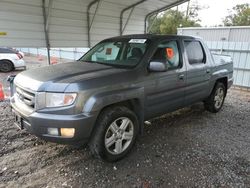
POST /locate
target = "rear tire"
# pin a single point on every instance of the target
(216, 100)
(115, 133)
(6, 66)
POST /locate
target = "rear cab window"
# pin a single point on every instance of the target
(7, 51)
(195, 52)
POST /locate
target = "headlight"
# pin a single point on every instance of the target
(59, 99)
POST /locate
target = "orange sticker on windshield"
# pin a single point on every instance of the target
(169, 53)
(108, 51)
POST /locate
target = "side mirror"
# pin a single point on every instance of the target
(157, 66)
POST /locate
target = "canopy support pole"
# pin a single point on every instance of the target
(160, 10)
(122, 13)
(89, 22)
(152, 24)
(46, 25)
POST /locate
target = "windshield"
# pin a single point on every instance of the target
(126, 53)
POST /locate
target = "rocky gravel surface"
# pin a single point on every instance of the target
(187, 148)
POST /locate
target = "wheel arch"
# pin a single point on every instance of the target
(8, 60)
(223, 80)
(133, 99)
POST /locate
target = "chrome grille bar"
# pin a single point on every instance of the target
(26, 97)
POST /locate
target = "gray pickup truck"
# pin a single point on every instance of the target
(104, 98)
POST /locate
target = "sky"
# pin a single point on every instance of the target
(216, 11)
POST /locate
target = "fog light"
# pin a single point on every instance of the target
(53, 131)
(67, 132)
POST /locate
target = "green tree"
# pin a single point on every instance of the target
(170, 20)
(174, 19)
(239, 16)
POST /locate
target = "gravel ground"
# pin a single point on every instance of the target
(187, 148)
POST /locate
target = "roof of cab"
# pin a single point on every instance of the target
(150, 36)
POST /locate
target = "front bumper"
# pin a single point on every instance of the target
(38, 124)
(19, 63)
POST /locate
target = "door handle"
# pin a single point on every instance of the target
(208, 71)
(181, 76)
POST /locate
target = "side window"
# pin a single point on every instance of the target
(7, 51)
(168, 52)
(195, 52)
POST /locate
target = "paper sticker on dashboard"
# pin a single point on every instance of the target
(108, 51)
(138, 41)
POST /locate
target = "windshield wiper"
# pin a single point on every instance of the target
(108, 64)
(88, 61)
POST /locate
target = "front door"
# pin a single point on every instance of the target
(164, 91)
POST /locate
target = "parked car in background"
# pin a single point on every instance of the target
(104, 98)
(11, 59)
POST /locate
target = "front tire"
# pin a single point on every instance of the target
(216, 100)
(115, 133)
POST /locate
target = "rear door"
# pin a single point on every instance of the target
(198, 72)
(165, 90)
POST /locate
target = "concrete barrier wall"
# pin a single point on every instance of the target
(62, 53)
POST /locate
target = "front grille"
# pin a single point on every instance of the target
(26, 97)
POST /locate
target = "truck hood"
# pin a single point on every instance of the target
(57, 77)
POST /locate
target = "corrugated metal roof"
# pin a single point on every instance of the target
(23, 21)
